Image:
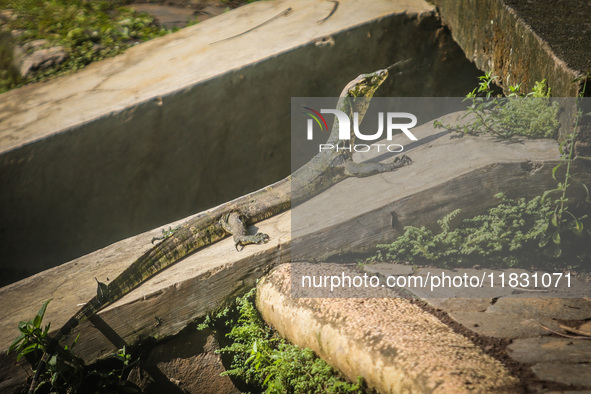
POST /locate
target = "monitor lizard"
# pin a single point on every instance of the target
(324, 170)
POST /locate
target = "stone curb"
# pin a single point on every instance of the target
(394, 345)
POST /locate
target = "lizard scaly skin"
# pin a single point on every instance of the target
(324, 170)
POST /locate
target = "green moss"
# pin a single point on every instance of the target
(87, 30)
(513, 233)
(517, 232)
(263, 359)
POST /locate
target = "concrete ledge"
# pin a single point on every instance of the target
(449, 172)
(176, 125)
(161, 307)
(494, 37)
(207, 279)
(394, 345)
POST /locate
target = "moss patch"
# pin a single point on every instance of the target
(87, 30)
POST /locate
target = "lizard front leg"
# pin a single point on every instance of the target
(361, 170)
(234, 223)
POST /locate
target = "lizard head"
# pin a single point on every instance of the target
(366, 85)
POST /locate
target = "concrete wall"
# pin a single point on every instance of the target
(201, 141)
(494, 37)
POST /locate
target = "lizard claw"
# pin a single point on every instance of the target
(401, 161)
(166, 234)
(258, 238)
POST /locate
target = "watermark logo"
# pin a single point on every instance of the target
(388, 122)
(315, 115)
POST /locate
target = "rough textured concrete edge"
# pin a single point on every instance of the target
(497, 40)
(347, 337)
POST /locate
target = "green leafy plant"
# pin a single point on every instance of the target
(65, 372)
(507, 235)
(260, 357)
(63, 368)
(110, 375)
(32, 337)
(564, 219)
(516, 232)
(531, 115)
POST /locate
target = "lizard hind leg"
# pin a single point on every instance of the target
(361, 170)
(234, 223)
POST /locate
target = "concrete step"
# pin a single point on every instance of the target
(186, 121)
(202, 282)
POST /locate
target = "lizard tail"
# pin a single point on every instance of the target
(132, 277)
(40, 368)
(89, 309)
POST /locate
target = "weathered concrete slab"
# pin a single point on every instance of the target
(143, 139)
(578, 375)
(532, 324)
(161, 307)
(184, 286)
(496, 39)
(586, 328)
(187, 363)
(437, 183)
(197, 285)
(540, 350)
(499, 325)
(394, 345)
(167, 15)
(560, 309)
(565, 300)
